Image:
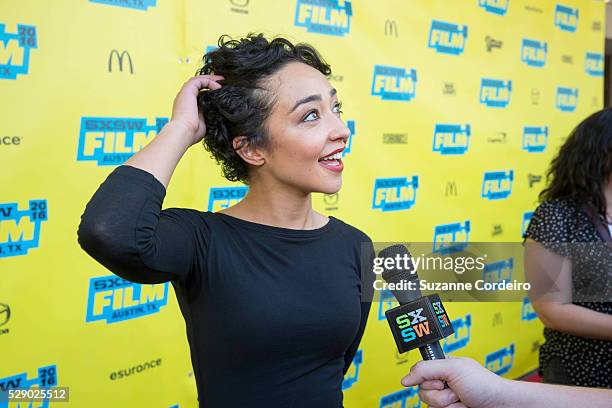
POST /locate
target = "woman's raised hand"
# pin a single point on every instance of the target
(185, 107)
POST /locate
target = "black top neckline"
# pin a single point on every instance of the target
(306, 233)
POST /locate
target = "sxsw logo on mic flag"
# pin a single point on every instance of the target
(498, 271)
(46, 378)
(500, 361)
(114, 299)
(526, 218)
(394, 83)
(527, 312)
(535, 138)
(332, 17)
(499, 7)
(594, 64)
(497, 185)
(495, 93)
(20, 229)
(451, 139)
(461, 337)
(112, 141)
(407, 398)
(567, 99)
(224, 197)
(395, 194)
(352, 377)
(533, 52)
(566, 18)
(15, 50)
(133, 4)
(447, 38)
(450, 238)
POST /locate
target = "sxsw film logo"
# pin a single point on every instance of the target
(15, 50)
(497, 185)
(46, 378)
(495, 93)
(395, 194)
(451, 139)
(394, 83)
(387, 302)
(331, 17)
(352, 375)
(407, 398)
(527, 311)
(499, 7)
(500, 361)
(526, 219)
(450, 238)
(447, 38)
(461, 337)
(566, 99)
(224, 197)
(498, 271)
(533, 52)
(594, 64)
(133, 4)
(112, 141)
(20, 229)
(566, 18)
(114, 299)
(349, 144)
(535, 138)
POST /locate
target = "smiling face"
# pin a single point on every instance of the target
(306, 133)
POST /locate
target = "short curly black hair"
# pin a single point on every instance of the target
(241, 106)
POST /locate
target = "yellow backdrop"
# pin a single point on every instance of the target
(456, 108)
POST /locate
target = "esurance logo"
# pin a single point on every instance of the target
(112, 141)
(500, 361)
(535, 138)
(133, 4)
(394, 83)
(497, 185)
(594, 64)
(527, 311)
(408, 398)
(15, 50)
(20, 229)
(114, 299)
(495, 93)
(352, 375)
(46, 378)
(224, 197)
(450, 238)
(395, 194)
(533, 52)
(461, 337)
(447, 38)
(499, 7)
(451, 139)
(566, 99)
(566, 18)
(498, 271)
(332, 17)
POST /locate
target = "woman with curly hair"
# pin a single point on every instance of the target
(273, 293)
(568, 255)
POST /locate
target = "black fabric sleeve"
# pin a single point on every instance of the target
(124, 228)
(549, 226)
(367, 277)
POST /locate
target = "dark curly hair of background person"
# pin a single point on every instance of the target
(243, 103)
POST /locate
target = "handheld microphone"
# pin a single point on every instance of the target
(419, 321)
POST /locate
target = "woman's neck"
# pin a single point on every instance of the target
(277, 206)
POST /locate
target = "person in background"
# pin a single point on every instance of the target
(568, 257)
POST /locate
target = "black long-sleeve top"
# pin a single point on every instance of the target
(273, 315)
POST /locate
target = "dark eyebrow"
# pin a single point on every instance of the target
(311, 98)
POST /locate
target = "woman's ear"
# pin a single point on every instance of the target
(250, 154)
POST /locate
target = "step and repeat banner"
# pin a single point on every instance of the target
(455, 107)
